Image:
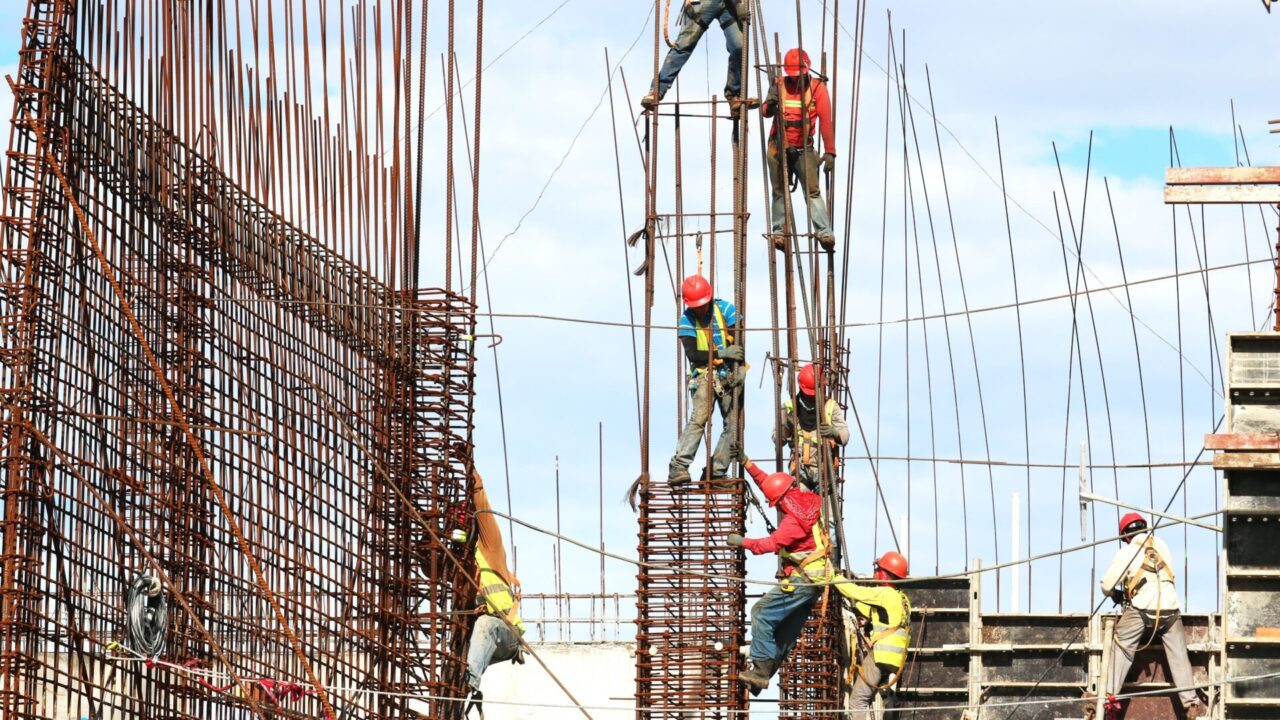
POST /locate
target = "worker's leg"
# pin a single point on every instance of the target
(491, 641)
(864, 690)
(699, 14)
(808, 476)
(1130, 629)
(1175, 652)
(733, 43)
(730, 400)
(778, 184)
(772, 635)
(699, 413)
(808, 174)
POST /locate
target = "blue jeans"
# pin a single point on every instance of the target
(700, 390)
(698, 17)
(492, 641)
(777, 619)
(803, 163)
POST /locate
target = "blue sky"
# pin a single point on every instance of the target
(1052, 73)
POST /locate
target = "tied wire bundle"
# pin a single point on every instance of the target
(146, 615)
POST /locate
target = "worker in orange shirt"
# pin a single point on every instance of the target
(799, 104)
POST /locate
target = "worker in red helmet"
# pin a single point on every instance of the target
(801, 540)
(884, 622)
(802, 104)
(716, 371)
(696, 18)
(801, 427)
(1141, 579)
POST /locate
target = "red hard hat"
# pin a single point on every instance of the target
(894, 563)
(1132, 518)
(796, 63)
(696, 291)
(808, 379)
(775, 485)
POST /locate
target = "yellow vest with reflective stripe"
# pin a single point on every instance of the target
(498, 599)
(808, 440)
(890, 614)
(705, 332)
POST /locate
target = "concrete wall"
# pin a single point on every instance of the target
(600, 675)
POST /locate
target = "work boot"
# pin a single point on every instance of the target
(678, 477)
(737, 104)
(1196, 710)
(779, 241)
(650, 100)
(756, 677)
(827, 241)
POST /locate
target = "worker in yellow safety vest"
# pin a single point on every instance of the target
(498, 628)
(1141, 579)
(805, 430)
(884, 619)
(716, 370)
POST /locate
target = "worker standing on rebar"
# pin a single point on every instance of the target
(496, 635)
(801, 427)
(1141, 578)
(802, 542)
(803, 103)
(715, 372)
(884, 620)
(696, 17)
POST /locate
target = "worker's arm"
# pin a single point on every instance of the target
(822, 102)
(756, 473)
(782, 431)
(877, 595)
(696, 357)
(1120, 567)
(770, 106)
(839, 425)
(789, 532)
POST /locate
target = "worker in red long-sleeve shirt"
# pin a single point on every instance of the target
(778, 617)
(804, 105)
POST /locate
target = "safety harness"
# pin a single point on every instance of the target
(1152, 564)
(807, 441)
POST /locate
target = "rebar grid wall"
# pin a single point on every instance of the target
(332, 412)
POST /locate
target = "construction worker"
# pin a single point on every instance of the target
(803, 103)
(805, 431)
(778, 617)
(706, 329)
(696, 17)
(496, 635)
(884, 619)
(1141, 579)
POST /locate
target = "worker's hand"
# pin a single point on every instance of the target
(829, 162)
(734, 352)
(735, 540)
(827, 430)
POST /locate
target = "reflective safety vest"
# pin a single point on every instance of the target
(796, 107)
(890, 626)
(814, 562)
(498, 600)
(706, 334)
(1153, 568)
(806, 442)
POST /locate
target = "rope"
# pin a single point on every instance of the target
(768, 583)
(212, 675)
(146, 610)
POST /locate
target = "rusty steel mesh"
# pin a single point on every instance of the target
(279, 435)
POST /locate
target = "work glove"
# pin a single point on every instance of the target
(734, 352)
(829, 162)
(735, 540)
(827, 430)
